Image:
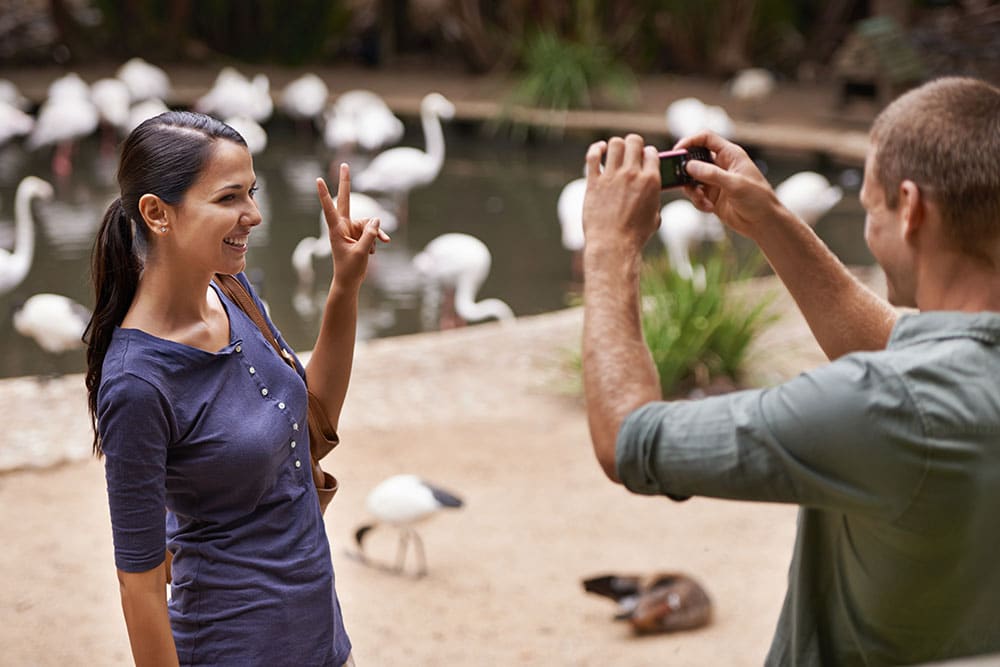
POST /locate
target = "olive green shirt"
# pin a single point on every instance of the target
(894, 457)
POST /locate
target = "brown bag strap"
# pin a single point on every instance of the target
(234, 289)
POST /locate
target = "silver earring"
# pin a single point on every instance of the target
(163, 229)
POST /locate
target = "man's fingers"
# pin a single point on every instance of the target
(633, 150)
(344, 191)
(709, 140)
(616, 153)
(705, 172)
(594, 154)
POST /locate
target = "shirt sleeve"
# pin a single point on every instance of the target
(839, 437)
(134, 427)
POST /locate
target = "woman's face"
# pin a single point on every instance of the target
(213, 222)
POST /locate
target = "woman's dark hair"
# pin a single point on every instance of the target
(163, 156)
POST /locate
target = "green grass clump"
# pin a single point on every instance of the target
(561, 74)
(698, 335)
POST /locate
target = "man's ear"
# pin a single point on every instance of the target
(154, 213)
(912, 209)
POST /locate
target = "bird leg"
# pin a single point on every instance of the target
(404, 538)
(418, 547)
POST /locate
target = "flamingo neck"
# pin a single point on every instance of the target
(24, 226)
(433, 136)
(471, 310)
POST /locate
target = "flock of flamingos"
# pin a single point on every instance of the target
(452, 267)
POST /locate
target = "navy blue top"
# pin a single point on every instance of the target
(220, 441)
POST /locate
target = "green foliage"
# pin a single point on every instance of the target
(563, 74)
(696, 335)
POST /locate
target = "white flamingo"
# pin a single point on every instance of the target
(689, 115)
(399, 170)
(54, 321)
(569, 208)
(752, 85)
(145, 110)
(251, 131)
(233, 94)
(682, 227)
(457, 265)
(402, 501)
(808, 195)
(66, 115)
(144, 80)
(113, 101)
(305, 98)
(14, 265)
(311, 248)
(14, 123)
(361, 119)
(10, 94)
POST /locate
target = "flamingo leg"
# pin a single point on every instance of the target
(404, 538)
(418, 547)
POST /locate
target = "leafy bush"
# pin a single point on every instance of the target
(696, 336)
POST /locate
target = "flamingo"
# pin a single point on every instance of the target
(360, 118)
(251, 131)
(9, 94)
(458, 263)
(808, 195)
(399, 170)
(752, 86)
(14, 265)
(682, 226)
(14, 123)
(402, 501)
(233, 94)
(689, 115)
(54, 321)
(144, 80)
(144, 110)
(305, 98)
(66, 115)
(113, 100)
(569, 208)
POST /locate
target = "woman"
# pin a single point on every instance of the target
(195, 412)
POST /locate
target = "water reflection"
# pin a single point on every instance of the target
(500, 192)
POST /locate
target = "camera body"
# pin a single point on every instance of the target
(672, 171)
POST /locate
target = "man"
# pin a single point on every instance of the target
(893, 449)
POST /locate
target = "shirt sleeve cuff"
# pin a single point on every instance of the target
(635, 451)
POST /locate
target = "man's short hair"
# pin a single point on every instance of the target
(945, 137)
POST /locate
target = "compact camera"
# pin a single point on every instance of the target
(672, 171)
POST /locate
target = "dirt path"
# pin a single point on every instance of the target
(482, 411)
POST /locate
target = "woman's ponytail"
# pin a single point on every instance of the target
(115, 270)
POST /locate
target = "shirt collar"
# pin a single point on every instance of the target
(915, 328)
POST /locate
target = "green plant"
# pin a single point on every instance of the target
(697, 335)
(562, 74)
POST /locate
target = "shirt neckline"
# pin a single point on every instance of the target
(912, 328)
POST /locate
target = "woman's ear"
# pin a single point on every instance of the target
(154, 214)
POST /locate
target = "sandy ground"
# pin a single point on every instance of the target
(483, 411)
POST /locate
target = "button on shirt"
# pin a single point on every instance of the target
(211, 437)
(894, 457)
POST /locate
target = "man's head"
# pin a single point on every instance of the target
(945, 137)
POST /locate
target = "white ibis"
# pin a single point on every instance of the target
(14, 264)
(403, 501)
(683, 227)
(457, 264)
(808, 195)
(401, 169)
(14, 122)
(53, 321)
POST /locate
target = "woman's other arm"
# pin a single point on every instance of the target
(144, 602)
